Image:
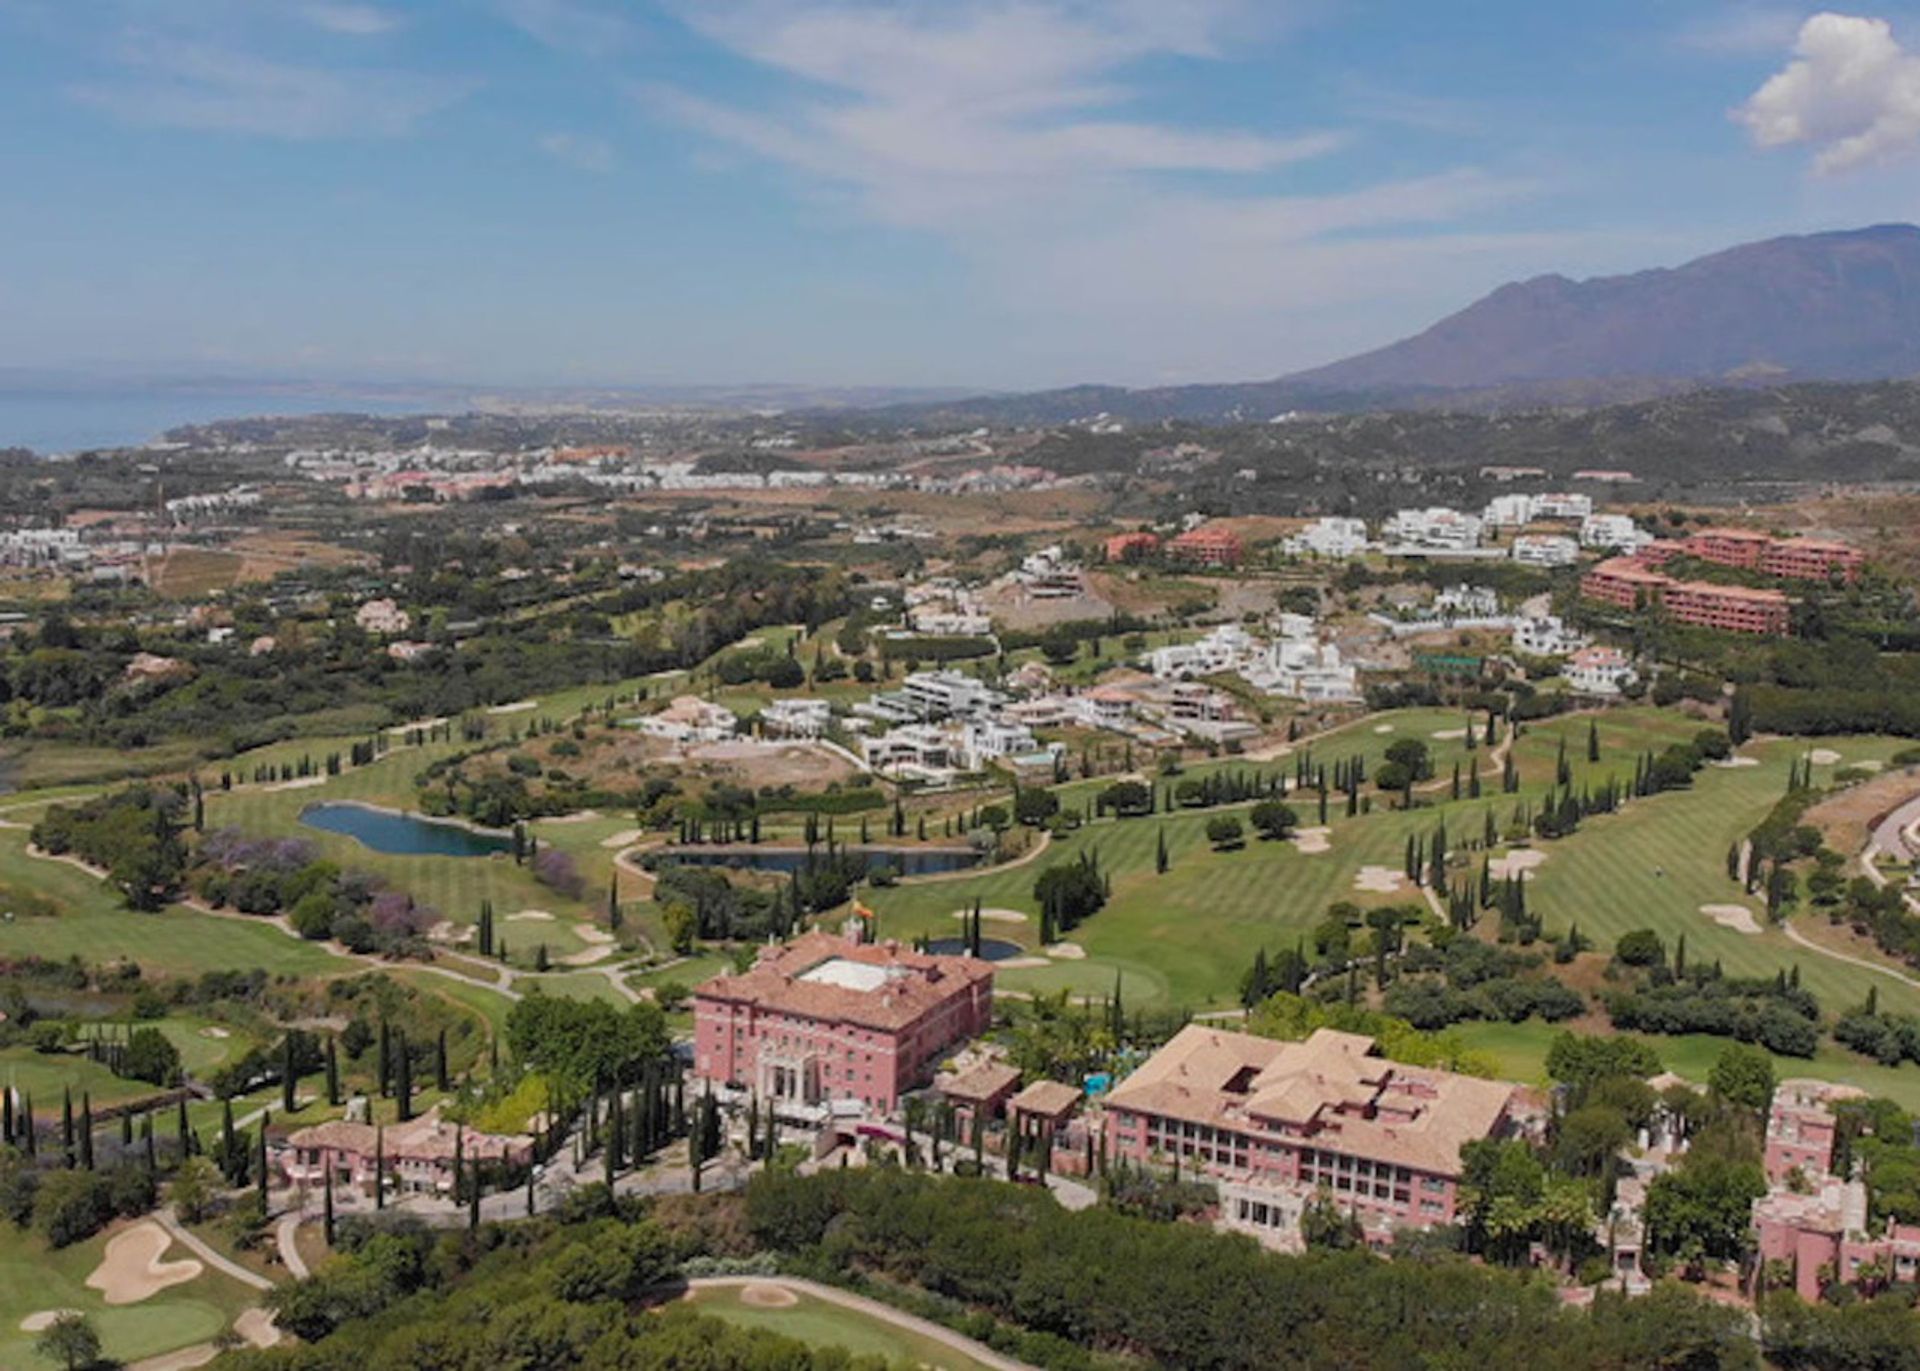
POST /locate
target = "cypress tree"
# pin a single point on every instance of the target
(86, 1130)
(441, 1079)
(260, 1160)
(328, 1213)
(287, 1102)
(333, 1073)
(379, 1166)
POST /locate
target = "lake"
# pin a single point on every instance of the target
(991, 949)
(908, 861)
(404, 835)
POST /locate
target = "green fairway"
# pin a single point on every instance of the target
(44, 1075)
(34, 1278)
(821, 1324)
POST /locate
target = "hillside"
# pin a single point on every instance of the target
(1823, 307)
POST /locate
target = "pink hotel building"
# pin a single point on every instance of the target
(1275, 1122)
(824, 1019)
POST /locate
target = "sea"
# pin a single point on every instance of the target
(55, 421)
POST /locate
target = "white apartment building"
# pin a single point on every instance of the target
(1508, 511)
(796, 718)
(1205, 713)
(1546, 636)
(1048, 575)
(1466, 602)
(690, 719)
(1437, 527)
(937, 694)
(1613, 531)
(1545, 550)
(1304, 669)
(939, 620)
(1562, 505)
(1600, 671)
(1328, 537)
(1227, 648)
(986, 740)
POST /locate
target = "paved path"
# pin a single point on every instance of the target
(873, 1309)
(169, 1221)
(1804, 941)
(286, 1236)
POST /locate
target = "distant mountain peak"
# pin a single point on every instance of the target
(1841, 305)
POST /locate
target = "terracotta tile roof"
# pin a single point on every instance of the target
(910, 983)
(982, 1082)
(427, 1138)
(1332, 1088)
(1049, 1098)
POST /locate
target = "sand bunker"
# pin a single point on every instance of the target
(1735, 916)
(299, 783)
(587, 933)
(1520, 862)
(42, 1319)
(1383, 728)
(530, 916)
(1447, 734)
(131, 1270)
(998, 916)
(1738, 761)
(588, 957)
(1019, 963)
(423, 725)
(579, 816)
(214, 1031)
(1071, 952)
(623, 838)
(517, 707)
(768, 1296)
(1312, 840)
(1378, 880)
(257, 1327)
(1874, 764)
(1823, 756)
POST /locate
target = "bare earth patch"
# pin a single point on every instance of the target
(626, 837)
(1735, 916)
(1070, 952)
(131, 1270)
(587, 957)
(299, 783)
(1383, 728)
(1520, 862)
(1823, 756)
(530, 916)
(517, 707)
(40, 1320)
(421, 724)
(999, 916)
(1738, 761)
(1378, 880)
(768, 1296)
(1312, 840)
(1448, 734)
(1020, 963)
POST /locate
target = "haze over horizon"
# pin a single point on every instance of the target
(1001, 194)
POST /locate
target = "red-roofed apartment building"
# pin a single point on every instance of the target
(1794, 559)
(1125, 547)
(1208, 546)
(824, 1019)
(1627, 583)
(1275, 1122)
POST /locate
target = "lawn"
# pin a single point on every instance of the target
(44, 1075)
(34, 1278)
(821, 1324)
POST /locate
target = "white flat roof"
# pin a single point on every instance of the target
(847, 974)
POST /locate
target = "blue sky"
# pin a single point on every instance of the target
(1005, 193)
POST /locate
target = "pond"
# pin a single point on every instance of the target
(991, 949)
(404, 835)
(908, 861)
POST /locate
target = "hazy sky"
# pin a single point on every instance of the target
(967, 192)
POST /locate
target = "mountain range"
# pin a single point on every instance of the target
(1841, 306)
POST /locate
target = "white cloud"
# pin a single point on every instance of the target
(193, 84)
(1851, 92)
(571, 25)
(356, 21)
(1009, 129)
(582, 152)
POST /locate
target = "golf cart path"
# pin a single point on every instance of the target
(873, 1309)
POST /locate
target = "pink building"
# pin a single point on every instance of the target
(824, 1019)
(1275, 1122)
(415, 1156)
(1801, 1128)
(1825, 1239)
